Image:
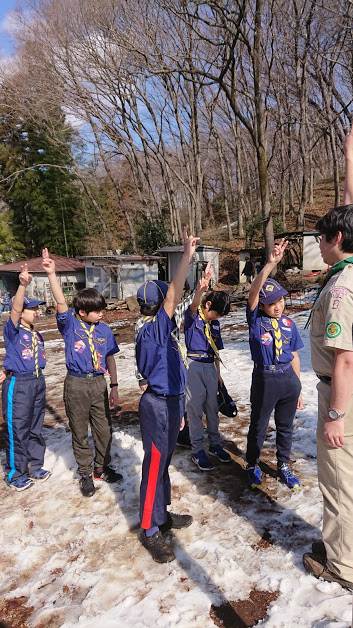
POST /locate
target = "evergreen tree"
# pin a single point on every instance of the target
(43, 197)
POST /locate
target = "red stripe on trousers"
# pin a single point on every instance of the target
(151, 488)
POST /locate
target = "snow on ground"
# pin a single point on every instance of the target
(79, 562)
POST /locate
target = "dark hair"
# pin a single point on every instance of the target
(89, 300)
(338, 219)
(220, 301)
(148, 309)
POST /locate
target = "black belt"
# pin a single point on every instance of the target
(162, 395)
(324, 378)
(28, 374)
(200, 357)
(272, 368)
(85, 375)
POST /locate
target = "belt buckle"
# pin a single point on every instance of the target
(89, 375)
(272, 368)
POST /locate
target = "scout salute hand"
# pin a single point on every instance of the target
(17, 302)
(24, 277)
(277, 252)
(48, 263)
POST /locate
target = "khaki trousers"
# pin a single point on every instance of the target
(335, 474)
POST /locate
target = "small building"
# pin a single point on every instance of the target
(203, 255)
(70, 271)
(119, 276)
(303, 251)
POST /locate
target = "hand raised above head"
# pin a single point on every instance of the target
(190, 243)
(47, 263)
(278, 251)
(24, 277)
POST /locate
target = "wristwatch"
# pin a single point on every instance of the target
(335, 415)
(113, 385)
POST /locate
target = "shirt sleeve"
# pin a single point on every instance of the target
(112, 345)
(64, 321)
(296, 341)
(339, 319)
(10, 330)
(189, 318)
(217, 336)
(251, 315)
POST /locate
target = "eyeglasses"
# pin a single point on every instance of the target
(318, 238)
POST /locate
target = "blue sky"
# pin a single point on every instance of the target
(6, 42)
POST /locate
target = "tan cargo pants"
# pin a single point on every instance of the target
(335, 474)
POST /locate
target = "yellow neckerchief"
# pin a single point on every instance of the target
(181, 348)
(208, 333)
(89, 333)
(278, 337)
(34, 347)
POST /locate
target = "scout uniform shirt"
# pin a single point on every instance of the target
(22, 344)
(78, 352)
(195, 337)
(262, 338)
(331, 321)
(158, 357)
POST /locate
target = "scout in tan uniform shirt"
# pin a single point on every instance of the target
(332, 360)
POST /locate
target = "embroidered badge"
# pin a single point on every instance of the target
(333, 330)
(337, 296)
(269, 288)
(287, 322)
(27, 354)
(266, 339)
(26, 337)
(79, 346)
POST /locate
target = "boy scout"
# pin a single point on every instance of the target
(89, 351)
(162, 405)
(332, 360)
(23, 391)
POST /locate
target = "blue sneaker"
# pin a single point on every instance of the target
(21, 483)
(202, 461)
(286, 476)
(40, 475)
(220, 453)
(254, 474)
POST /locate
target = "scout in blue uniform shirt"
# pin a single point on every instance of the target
(89, 351)
(274, 343)
(203, 342)
(160, 362)
(23, 391)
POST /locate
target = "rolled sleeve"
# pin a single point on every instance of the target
(64, 320)
(339, 320)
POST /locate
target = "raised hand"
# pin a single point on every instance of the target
(205, 278)
(24, 277)
(348, 145)
(278, 251)
(48, 263)
(190, 243)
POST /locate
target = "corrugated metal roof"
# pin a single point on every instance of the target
(62, 265)
(180, 249)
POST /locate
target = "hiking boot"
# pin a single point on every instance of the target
(107, 474)
(160, 551)
(286, 476)
(220, 453)
(318, 549)
(86, 486)
(21, 483)
(318, 568)
(202, 461)
(254, 474)
(40, 475)
(175, 521)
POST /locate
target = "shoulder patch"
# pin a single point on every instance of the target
(333, 329)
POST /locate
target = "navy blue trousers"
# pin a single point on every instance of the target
(23, 407)
(160, 419)
(278, 392)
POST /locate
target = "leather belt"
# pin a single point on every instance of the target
(324, 378)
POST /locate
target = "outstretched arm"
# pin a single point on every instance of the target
(175, 291)
(17, 303)
(49, 267)
(274, 258)
(348, 182)
(202, 287)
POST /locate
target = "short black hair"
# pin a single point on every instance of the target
(220, 301)
(338, 219)
(148, 309)
(89, 300)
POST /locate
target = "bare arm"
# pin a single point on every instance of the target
(112, 370)
(175, 290)
(274, 258)
(49, 267)
(202, 287)
(17, 303)
(296, 369)
(348, 183)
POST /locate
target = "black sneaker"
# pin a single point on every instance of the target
(107, 474)
(87, 486)
(176, 521)
(183, 439)
(318, 549)
(160, 551)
